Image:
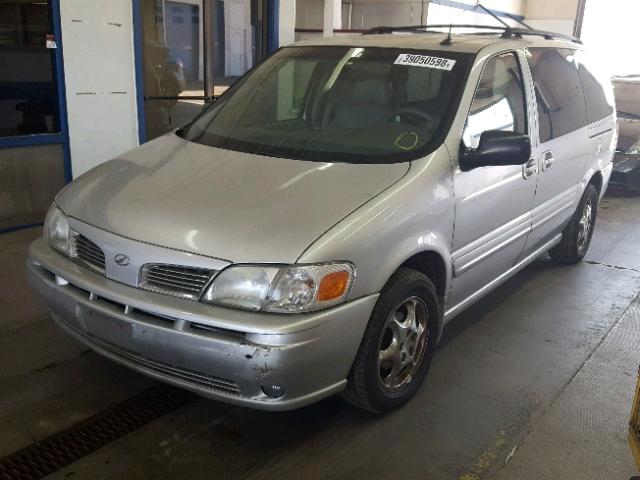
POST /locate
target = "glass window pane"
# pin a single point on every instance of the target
(598, 96)
(559, 96)
(173, 59)
(239, 41)
(177, 60)
(499, 101)
(28, 92)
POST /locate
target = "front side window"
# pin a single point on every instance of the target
(344, 104)
(499, 101)
(559, 96)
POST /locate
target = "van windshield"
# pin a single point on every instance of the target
(338, 104)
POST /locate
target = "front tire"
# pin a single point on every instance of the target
(576, 236)
(398, 344)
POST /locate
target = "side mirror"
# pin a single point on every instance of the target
(497, 148)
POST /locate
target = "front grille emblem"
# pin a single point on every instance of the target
(122, 260)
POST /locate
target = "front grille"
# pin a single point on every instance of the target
(178, 280)
(88, 253)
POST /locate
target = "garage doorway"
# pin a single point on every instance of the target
(601, 24)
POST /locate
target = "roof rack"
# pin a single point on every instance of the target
(507, 31)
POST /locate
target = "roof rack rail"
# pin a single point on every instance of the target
(507, 32)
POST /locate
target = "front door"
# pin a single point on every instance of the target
(493, 204)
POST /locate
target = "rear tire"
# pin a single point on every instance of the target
(398, 344)
(576, 237)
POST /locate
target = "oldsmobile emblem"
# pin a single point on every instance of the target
(122, 260)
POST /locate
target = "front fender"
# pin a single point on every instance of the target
(414, 215)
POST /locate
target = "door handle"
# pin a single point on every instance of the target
(530, 169)
(547, 160)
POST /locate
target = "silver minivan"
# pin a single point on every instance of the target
(313, 230)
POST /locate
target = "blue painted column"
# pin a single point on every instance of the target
(273, 26)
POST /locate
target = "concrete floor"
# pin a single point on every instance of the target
(534, 382)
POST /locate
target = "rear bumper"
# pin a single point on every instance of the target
(228, 355)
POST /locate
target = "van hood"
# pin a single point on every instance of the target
(220, 203)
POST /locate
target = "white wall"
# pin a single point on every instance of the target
(287, 22)
(309, 14)
(371, 13)
(442, 14)
(553, 25)
(553, 15)
(100, 80)
(551, 9)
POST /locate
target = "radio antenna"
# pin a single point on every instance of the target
(448, 40)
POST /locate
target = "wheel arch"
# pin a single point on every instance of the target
(597, 181)
(431, 264)
(595, 177)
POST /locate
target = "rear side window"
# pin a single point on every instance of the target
(559, 97)
(598, 93)
(499, 101)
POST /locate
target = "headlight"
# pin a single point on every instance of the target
(286, 289)
(57, 231)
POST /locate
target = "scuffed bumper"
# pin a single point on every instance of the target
(228, 355)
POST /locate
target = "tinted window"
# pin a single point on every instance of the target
(342, 104)
(559, 94)
(499, 101)
(598, 93)
(28, 95)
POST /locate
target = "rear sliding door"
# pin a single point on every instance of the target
(561, 145)
(598, 95)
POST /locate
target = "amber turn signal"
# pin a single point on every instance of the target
(333, 285)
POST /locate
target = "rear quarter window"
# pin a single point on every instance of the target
(598, 93)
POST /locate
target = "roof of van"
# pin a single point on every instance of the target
(468, 43)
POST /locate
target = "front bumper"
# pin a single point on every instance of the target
(228, 355)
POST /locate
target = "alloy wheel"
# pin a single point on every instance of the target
(403, 343)
(584, 225)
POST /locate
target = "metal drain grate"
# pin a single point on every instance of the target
(61, 449)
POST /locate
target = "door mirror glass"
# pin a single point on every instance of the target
(497, 148)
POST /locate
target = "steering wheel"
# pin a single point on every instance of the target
(415, 112)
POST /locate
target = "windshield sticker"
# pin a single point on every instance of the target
(425, 61)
